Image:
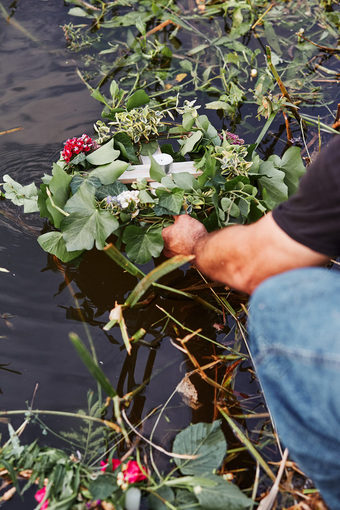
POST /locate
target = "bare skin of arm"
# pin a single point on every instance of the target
(240, 256)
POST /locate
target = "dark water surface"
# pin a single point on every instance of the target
(41, 93)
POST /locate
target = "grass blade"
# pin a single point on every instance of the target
(122, 261)
(92, 367)
(250, 447)
(154, 275)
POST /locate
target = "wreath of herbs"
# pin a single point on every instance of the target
(88, 205)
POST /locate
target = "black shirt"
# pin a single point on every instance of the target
(312, 215)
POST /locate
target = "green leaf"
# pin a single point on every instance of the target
(221, 495)
(170, 202)
(96, 94)
(207, 442)
(122, 261)
(142, 243)
(186, 499)
(111, 172)
(188, 120)
(185, 181)
(82, 201)
(197, 49)
(53, 242)
(220, 105)
(156, 171)
(138, 98)
(103, 486)
(292, 165)
(92, 367)
(126, 147)
(230, 207)
(86, 224)
(274, 189)
(59, 187)
(78, 180)
(82, 232)
(190, 142)
(149, 148)
(272, 38)
(145, 197)
(112, 190)
(105, 154)
(21, 195)
(156, 503)
(154, 275)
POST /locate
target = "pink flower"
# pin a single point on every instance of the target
(39, 496)
(74, 146)
(133, 473)
(115, 464)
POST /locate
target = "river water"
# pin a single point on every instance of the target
(42, 95)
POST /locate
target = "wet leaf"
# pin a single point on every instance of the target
(143, 243)
(21, 195)
(54, 243)
(207, 442)
(221, 495)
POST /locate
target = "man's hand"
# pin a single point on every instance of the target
(181, 237)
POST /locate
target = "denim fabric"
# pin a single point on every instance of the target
(294, 328)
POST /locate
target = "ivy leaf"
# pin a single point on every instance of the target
(105, 154)
(78, 180)
(185, 181)
(221, 495)
(53, 242)
(138, 98)
(156, 171)
(86, 224)
(112, 190)
(170, 202)
(21, 195)
(207, 442)
(123, 141)
(149, 148)
(83, 201)
(190, 142)
(111, 172)
(81, 232)
(142, 243)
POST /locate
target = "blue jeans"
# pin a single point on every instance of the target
(294, 328)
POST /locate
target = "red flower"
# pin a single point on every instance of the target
(39, 496)
(130, 472)
(74, 146)
(115, 464)
(133, 473)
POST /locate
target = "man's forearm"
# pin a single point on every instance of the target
(224, 256)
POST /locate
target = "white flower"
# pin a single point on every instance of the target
(197, 489)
